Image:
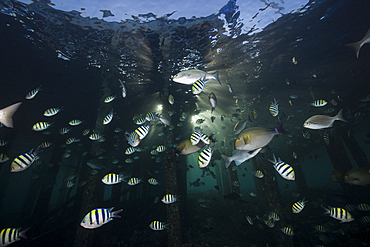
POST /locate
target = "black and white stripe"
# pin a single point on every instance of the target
(142, 131)
(8, 236)
(195, 137)
(204, 158)
(284, 169)
(198, 86)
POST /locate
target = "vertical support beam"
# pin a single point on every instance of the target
(355, 149)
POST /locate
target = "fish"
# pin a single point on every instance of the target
(198, 86)
(64, 130)
(320, 228)
(274, 108)
(249, 219)
(230, 88)
(284, 169)
(212, 101)
(171, 99)
(204, 158)
(151, 116)
(113, 178)
(108, 118)
(357, 176)
(274, 216)
(197, 183)
(23, 161)
(3, 158)
(134, 181)
(326, 138)
(130, 150)
(143, 131)
(45, 144)
(338, 213)
(158, 226)
(124, 93)
(188, 77)
(306, 134)
(85, 132)
(133, 139)
(75, 122)
(98, 217)
(294, 61)
(169, 198)
(319, 103)
(287, 230)
(363, 207)
(258, 174)
(11, 235)
(185, 147)
(239, 126)
(323, 121)
(239, 156)
(161, 148)
(255, 114)
(40, 126)
(253, 138)
(70, 184)
(33, 93)
(200, 121)
(95, 136)
(52, 111)
(153, 181)
(109, 99)
(6, 114)
(298, 206)
(356, 46)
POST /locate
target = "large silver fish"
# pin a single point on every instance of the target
(185, 147)
(254, 138)
(356, 46)
(239, 156)
(190, 76)
(322, 121)
(6, 114)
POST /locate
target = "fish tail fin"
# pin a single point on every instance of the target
(22, 234)
(274, 159)
(279, 130)
(37, 151)
(227, 160)
(115, 213)
(190, 184)
(356, 47)
(327, 211)
(6, 117)
(216, 77)
(340, 117)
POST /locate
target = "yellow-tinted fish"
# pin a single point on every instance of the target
(11, 235)
(40, 126)
(98, 217)
(33, 93)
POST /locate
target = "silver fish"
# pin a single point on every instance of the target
(356, 46)
(6, 114)
(212, 100)
(239, 156)
(123, 88)
(322, 121)
(188, 77)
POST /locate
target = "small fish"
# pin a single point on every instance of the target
(158, 226)
(356, 46)
(70, 184)
(270, 223)
(255, 114)
(230, 88)
(258, 174)
(294, 61)
(113, 178)
(298, 206)
(333, 102)
(363, 207)
(40, 126)
(249, 219)
(128, 161)
(143, 131)
(204, 158)
(45, 144)
(109, 99)
(287, 230)
(326, 138)
(188, 77)
(130, 150)
(236, 183)
(161, 148)
(95, 136)
(11, 235)
(75, 122)
(51, 112)
(108, 118)
(133, 139)
(329, 110)
(33, 93)
(3, 143)
(171, 99)
(85, 132)
(252, 194)
(98, 217)
(319, 103)
(212, 101)
(3, 158)
(338, 213)
(23, 161)
(124, 93)
(151, 116)
(169, 198)
(294, 155)
(117, 130)
(274, 108)
(320, 228)
(306, 134)
(274, 216)
(284, 169)
(153, 181)
(134, 181)
(200, 121)
(64, 130)
(71, 140)
(213, 118)
(293, 96)
(323, 121)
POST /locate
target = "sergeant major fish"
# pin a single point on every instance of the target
(98, 217)
(23, 161)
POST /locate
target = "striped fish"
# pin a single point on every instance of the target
(205, 138)
(255, 114)
(298, 206)
(3, 158)
(71, 140)
(287, 230)
(363, 207)
(139, 120)
(98, 217)
(158, 226)
(133, 139)
(169, 198)
(258, 174)
(198, 86)
(109, 99)
(151, 116)
(306, 134)
(339, 214)
(45, 144)
(40, 126)
(274, 216)
(284, 169)
(142, 131)
(326, 138)
(64, 130)
(153, 181)
(23, 161)
(320, 228)
(204, 158)
(95, 136)
(11, 235)
(108, 118)
(85, 132)
(3, 143)
(51, 111)
(319, 103)
(113, 178)
(75, 122)
(161, 148)
(195, 137)
(134, 181)
(130, 150)
(33, 93)
(274, 108)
